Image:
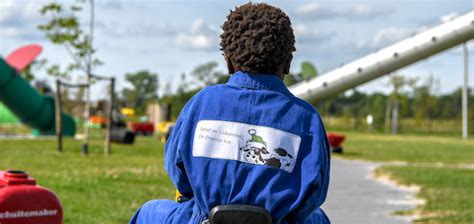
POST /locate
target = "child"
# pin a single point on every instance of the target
(249, 141)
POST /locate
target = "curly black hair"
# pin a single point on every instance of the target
(258, 38)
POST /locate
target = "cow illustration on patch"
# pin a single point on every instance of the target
(255, 151)
(248, 143)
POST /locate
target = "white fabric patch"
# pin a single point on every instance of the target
(247, 143)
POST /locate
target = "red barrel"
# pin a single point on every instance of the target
(23, 202)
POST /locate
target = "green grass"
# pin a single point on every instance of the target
(446, 127)
(409, 148)
(93, 188)
(449, 193)
(99, 189)
(448, 190)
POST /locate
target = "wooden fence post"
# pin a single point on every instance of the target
(59, 137)
(107, 146)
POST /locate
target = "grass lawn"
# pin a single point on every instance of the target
(99, 189)
(448, 191)
(409, 148)
(93, 188)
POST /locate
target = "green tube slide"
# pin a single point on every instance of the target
(28, 105)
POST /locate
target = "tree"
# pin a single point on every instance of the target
(395, 100)
(144, 89)
(425, 101)
(63, 28)
(183, 85)
(28, 72)
(207, 74)
(450, 104)
(43, 87)
(376, 107)
(308, 71)
(290, 79)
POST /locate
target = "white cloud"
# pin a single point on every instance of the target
(14, 14)
(314, 11)
(150, 30)
(361, 11)
(308, 9)
(305, 34)
(112, 5)
(198, 41)
(198, 25)
(10, 31)
(19, 20)
(448, 17)
(201, 37)
(390, 35)
(301, 30)
(136, 30)
(7, 9)
(364, 10)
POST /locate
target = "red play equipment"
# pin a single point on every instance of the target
(143, 128)
(22, 201)
(23, 56)
(335, 141)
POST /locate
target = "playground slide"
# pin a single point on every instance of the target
(27, 104)
(389, 59)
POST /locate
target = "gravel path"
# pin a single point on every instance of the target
(355, 197)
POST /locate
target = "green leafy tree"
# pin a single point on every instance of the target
(207, 73)
(397, 99)
(290, 79)
(63, 28)
(28, 72)
(400, 84)
(308, 71)
(450, 104)
(144, 89)
(425, 101)
(376, 107)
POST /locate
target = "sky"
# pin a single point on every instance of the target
(172, 37)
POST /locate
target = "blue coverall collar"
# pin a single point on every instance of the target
(258, 81)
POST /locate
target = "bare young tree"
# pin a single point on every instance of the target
(64, 28)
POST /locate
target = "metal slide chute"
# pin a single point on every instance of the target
(387, 60)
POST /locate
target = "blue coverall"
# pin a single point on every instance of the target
(277, 154)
